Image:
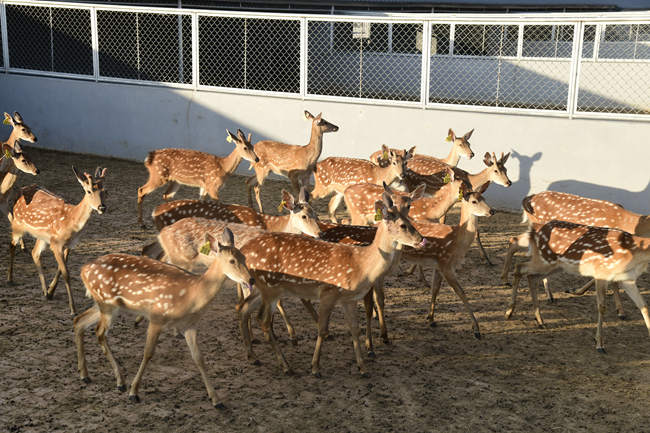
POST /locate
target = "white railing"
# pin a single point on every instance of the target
(571, 65)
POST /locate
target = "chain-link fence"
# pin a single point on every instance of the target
(572, 67)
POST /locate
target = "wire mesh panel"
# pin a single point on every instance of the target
(145, 46)
(371, 60)
(483, 66)
(249, 53)
(49, 39)
(614, 72)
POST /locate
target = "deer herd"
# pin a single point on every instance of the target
(397, 201)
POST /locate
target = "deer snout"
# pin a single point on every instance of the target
(101, 208)
(37, 171)
(251, 281)
(35, 140)
(257, 159)
(509, 182)
(492, 212)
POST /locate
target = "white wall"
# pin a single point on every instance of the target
(597, 158)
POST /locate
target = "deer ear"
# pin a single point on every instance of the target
(288, 201)
(487, 159)
(418, 192)
(250, 136)
(17, 147)
(451, 136)
(17, 117)
(230, 137)
(303, 196)
(8, 120)
(504, 158)
(228, 238)
(308, 115)
(211, 243)
(409, 154)
(103, 173)
(386, 200)
(468, 135)
(98, 172)
(81, 179)
(386, 187)
(240, 134)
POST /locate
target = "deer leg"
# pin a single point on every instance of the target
(547, 290)
(327, 302)
(58, 255)
(632, 291)
(367, 303)
(378, 294)
(250, 183)
(146, 189)
(436, 282)
(12, 255)
(515, 286)
(81, 323)
(267, 327)
(197, 356)
(295, 184)
(334, 203)
(620, 312)
(350, 312)
(581, 291)
(450, 276)
(532, 287)
(102, 328)
(39, 246)
(480, 244)
(290, 330)
(250, 304)
(153, 332)
(55, 280)
(601, 285)
(171, 191)
(517, 243)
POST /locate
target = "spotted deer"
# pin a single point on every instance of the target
(551, 205)
(19, 161)
(334, 174)
(288, 160)
(333, 273)
(605, 254)
(167, 295)
(359, 200)
(193, 168)
(54, 222)
(426, 164)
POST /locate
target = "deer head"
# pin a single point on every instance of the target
(302, 215)
(230, 260)
(461, 144)
(498, 172)
(320, 124)
(20, 159)
(94, 188)
(21, 131)
(243, 145)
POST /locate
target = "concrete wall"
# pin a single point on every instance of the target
(597, 158)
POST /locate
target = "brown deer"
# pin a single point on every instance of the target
(288, 160)
(604, 254)
(56, 223)
(424, 164)
(551, 205)
(168, 296)
(335, 174)
(193, 168)
(19, 161)
(20, 130)
(333, 273)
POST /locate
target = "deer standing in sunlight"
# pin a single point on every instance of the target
(19, 161)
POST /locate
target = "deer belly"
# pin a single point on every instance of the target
(631, 274)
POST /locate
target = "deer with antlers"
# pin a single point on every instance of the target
(333, 273)
(193, 168)
(292, 161)
(167, 295)
(335, 174)
(551, 205)
(53, 222)
(18, 161)
(605, 254)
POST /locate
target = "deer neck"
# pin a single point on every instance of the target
(12, 139)
(385, 174)
(230, 163)
(453, 157)
(378, 257)
(80, 213)
(479, 179)
(7, 180)
(208, 285)
(280, 223)
(466, 227)
(315, 145)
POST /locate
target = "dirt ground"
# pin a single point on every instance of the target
(517, 378)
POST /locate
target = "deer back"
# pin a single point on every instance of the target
(170, 212)
(185, 166)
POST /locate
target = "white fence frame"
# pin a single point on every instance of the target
(578, 20)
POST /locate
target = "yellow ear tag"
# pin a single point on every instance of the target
(460, 195)
(205, 249)
(281, 205)
(447, 178)
(448, 138)
(379, 215)
(6, 121)
(7, 154)
(384, 155)
(229, 139)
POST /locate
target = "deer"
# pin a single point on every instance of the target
(335, 174)
(605, 254)
(20, 130)
(52, 221)
(17, 161)
(193, 168)
(551, 205)
(333, 273)
(292, 161)
(167, 295)
(459, 147)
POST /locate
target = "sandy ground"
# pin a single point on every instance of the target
(517, 378)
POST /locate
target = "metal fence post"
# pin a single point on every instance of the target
(195, 50)
(5, 40)
(426, 63)
(578, 39)
(95, 42)
(303, 57)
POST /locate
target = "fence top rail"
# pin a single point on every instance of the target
(547, 17)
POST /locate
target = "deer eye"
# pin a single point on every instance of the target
(304, 217)
(403, 226)
(474, 201)
(232, 261)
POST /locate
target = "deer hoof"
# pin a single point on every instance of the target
(317, 374)
(386, 341)
(294, 342)
(365, 374)
(371, 354)
(622, 316)
(601, 350)
(477, 335)
(288, 372)
(49, 296)
(134, 398)
(255, 362)
(85, 380)
(432, 324)
(220, 406)
(121, 388)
